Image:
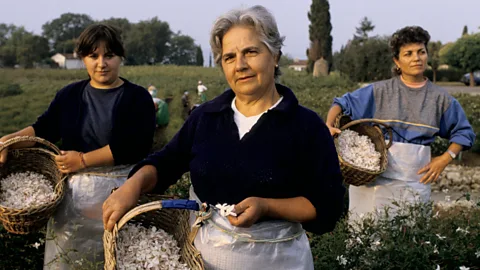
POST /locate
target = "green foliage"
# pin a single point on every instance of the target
(147, 42)
(319, 30)
(21, 47)
(445, 75)
(182, 51)
(434, 57)
(19, 251)
(413, 239)
(365, 60)
(8, 90)
(465, 31)
(365, 27)
(67, 27)
(199, 56)
(285, 60)
(465, 53)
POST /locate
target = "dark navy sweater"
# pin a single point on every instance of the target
(132, 126)
(288, 153)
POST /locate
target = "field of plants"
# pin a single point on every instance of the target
(24, 94)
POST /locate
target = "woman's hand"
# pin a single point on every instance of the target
(249, 211)
(119, 203)
(69, 161)
(433, 169)
(333, 130)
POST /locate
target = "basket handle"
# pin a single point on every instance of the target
(371, 120)
(29, 139)
(156, 205)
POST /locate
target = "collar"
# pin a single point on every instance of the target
(224, 101)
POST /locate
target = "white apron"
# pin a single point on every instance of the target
(400, 182)
(265, 245)
(75, 232)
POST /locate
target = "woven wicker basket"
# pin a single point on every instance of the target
(38, 160)
(150, 212)
(355, 175)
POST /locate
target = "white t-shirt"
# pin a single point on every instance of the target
(245, 123)
(201, 88)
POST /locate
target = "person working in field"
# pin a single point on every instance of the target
(418, 111)
(201, 91)
(253, 146)
(104, 124)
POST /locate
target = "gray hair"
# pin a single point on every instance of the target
(257, 17)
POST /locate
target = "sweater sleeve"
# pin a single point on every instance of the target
(454, 126)
(132, 137)
(172, 161)
(323, 185)
(48, 124)
(358, 104)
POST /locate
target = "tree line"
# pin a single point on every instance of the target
(147, 42)
(368, 58)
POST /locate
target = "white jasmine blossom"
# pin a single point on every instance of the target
(358, 150)
(23, 190)
(435, 250)
(438, 267)
(440, 237)
(226, 210)
(342, 260)
(477, 254)
(464, 268)
(36, 245)
(462, 230)
(142, 248)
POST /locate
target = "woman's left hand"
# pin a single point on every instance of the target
(248, 212)
(433, 169)
(69, 161)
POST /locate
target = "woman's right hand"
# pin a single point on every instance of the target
(120, 202)
(333, 130)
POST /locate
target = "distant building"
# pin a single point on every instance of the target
(68, 61)
(298, 65)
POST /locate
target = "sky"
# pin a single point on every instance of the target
(443, 19)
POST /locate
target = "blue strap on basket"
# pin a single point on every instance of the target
(181, 204)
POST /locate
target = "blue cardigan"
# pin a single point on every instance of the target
(133, 124)
(288, 153)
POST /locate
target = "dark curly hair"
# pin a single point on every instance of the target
(407, 35)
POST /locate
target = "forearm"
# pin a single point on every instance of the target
(28, 131)
(298, 209)
(334, 111)
(100, 157)
(144, 180)
(455, 148)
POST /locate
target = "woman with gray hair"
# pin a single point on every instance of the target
(253, 147)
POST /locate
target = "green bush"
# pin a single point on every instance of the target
(445, 75)
(416, 238)
(8, 90)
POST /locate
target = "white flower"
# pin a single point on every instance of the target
(462, 230)
(436, 214)
(79, 262)
(447, 198)
(142, 248)
(226, 210)
(445, 190)
(359, 240)
(27, 189)
(358, 150)
(36, 245)
(438, 267)
(427, 242)
(440, 237)
(464, 268)
(341, 260)
(435, 250)
(477, 254)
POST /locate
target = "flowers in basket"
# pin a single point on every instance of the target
(358, 150)
(152, 248)
(26, 189)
